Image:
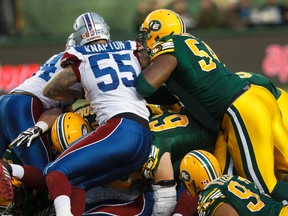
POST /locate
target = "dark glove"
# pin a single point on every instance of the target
(27, 136)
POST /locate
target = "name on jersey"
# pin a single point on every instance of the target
(116, 45)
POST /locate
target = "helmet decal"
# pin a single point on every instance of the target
(185, 175)
(154, 25)
(84, 129)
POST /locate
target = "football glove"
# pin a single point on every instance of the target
(27, 136)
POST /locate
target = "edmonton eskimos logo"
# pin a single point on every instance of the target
(154, 25)
(185, 175)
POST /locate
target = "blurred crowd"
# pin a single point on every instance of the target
(234, 14)
(201, 14)
(11, 22)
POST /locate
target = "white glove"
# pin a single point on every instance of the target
(27, 136)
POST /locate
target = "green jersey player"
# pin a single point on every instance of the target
(224, 194)
(247, 114)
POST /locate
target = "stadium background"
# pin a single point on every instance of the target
(46, 24)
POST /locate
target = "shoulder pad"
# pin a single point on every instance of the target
(162, 47)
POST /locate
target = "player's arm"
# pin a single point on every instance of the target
(143, 58)
(153, 76)
(225, 209)
(164, 187)
(162, 96)
(44, 123)
(58, 87)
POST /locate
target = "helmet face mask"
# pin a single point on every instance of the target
(160, 23)
(197, 169)
(143, 36)
(90, 27)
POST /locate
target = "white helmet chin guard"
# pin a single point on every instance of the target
(90, 27)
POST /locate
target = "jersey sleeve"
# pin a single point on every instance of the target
(73, 61)
(209, 201)
(162, 47)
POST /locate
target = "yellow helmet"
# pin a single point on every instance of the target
(197, 169)
(67, 128)
(126, 182)
(160, 23)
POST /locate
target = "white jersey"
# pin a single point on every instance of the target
(108, 73)
(34, 85)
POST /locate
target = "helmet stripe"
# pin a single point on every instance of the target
(207, 165)
(88, 21)
(93, 26)
(61, 132)
(183, 25)
(85, 22)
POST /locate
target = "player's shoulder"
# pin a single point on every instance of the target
(167, 43)
(209, 200)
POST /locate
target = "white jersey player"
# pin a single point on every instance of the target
(121, 144)
(22, 108)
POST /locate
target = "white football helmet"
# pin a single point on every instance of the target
(71, 42)
(90, 27)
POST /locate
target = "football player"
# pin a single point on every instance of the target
(224, 194)
(127, 192)
(26, 201)
(175, 132)
(23, 122)
(281, 167)
(280, 94)
(107, 70)
(219, 99)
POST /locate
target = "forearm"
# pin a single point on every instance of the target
(49, 116)
(59, 87)
(64, 94)
(165, 170)
(162, 97)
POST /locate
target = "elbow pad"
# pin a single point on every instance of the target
(165, 200)
(143, 87)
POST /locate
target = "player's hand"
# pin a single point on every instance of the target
(27, 136)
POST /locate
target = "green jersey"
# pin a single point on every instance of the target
(173, 132)
(202, 83)
(258, 79)
(240, 193)
(177, 133)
